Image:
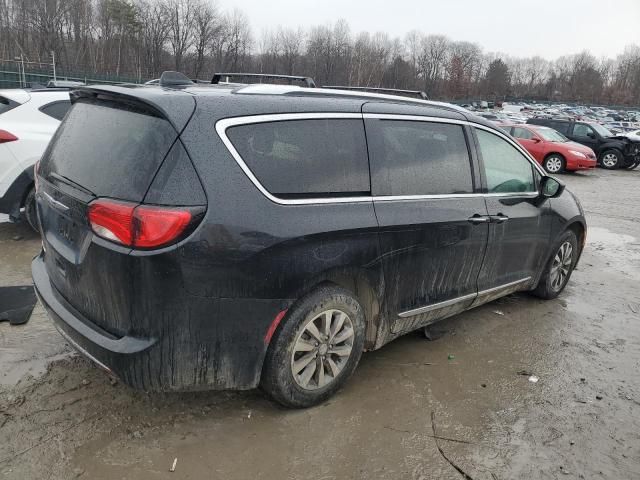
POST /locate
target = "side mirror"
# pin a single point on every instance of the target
(550, 187)
(591, 135)
(535, 140)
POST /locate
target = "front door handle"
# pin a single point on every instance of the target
(476, 219)
(500, 218)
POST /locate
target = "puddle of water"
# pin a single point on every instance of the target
(614, 251)
(27, 349)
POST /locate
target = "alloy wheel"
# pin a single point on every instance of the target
(553, 164)
(561, 266)
(610, 160)
(322, 349)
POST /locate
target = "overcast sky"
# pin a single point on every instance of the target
(548, 28)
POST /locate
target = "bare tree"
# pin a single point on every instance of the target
(181, 15)
(155, 31)
(206, 26)
(292, 43)
(137, 39)
(432, 62)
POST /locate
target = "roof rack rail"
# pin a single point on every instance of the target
(308, 81)
(418, 93)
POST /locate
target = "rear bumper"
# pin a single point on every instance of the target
(107, 351)
(217, 344)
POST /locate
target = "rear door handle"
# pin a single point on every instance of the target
(498, 218)
(476, 219)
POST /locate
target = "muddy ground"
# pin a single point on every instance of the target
(62, 418)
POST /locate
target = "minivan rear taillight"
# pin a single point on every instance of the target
(7, 137)
(139, 226)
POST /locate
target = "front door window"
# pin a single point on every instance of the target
(507, 170)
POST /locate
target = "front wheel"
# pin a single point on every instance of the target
(554, 163)
(559, 268)
(316, 348)
(611, 159)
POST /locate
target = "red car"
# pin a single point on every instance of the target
(555, 152)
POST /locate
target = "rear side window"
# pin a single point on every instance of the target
(6, 105)
(582, 130)
(305, 158)
(56, 110)
(418, 158)
(522, 133)
(108, 148)
(562, 127)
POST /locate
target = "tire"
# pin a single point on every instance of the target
(633, 166)
(554, 163)
(294, 347)
(30, 214)
(553, 280)
(611, 159)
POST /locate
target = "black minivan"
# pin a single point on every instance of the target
(235, 236)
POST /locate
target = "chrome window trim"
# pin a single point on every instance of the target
(496, 132)
(222, 125)
(409, 198)
(453, 301)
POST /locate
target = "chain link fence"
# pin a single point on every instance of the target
(20, 73)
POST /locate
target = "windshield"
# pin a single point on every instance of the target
(551, 135)
(601, 130)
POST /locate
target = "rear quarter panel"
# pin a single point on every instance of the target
(251, 247)
(252, 258)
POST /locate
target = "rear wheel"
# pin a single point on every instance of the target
(554, 163)
(316, 348)
(611, 159)
(30, 213)
(559, 268)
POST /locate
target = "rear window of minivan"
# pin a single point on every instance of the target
(305, 158)
(109, 148)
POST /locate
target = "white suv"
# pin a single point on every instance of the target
(28, 120)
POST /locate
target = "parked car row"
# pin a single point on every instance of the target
(557, 151)
(610, 150)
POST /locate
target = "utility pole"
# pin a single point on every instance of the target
(24, 76)
(53, 62)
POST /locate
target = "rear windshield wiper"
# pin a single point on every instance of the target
(71, 183)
